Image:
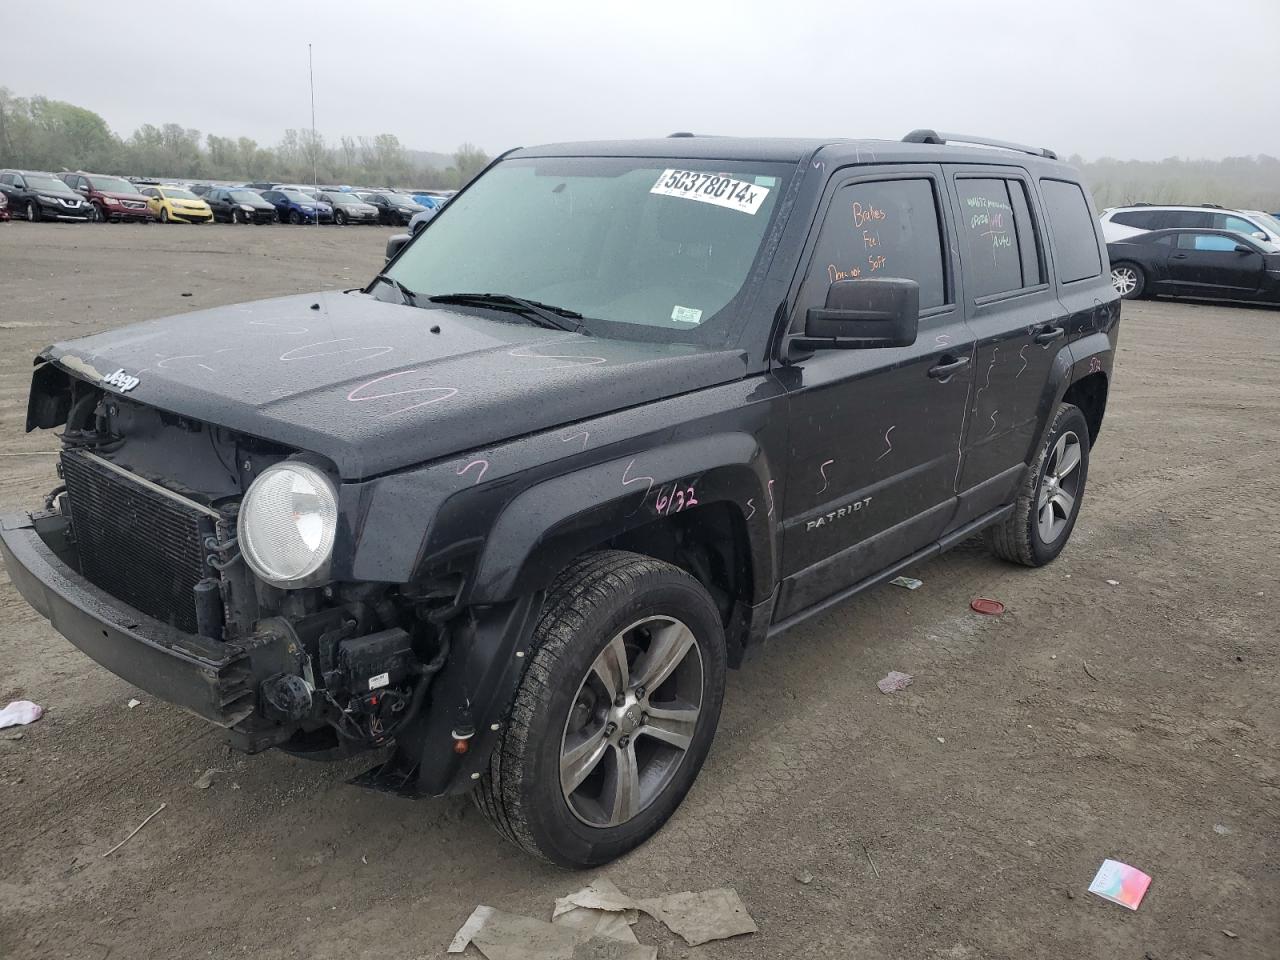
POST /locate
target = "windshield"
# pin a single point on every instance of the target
(112, 185)
(297, 197)
(402, 199)
(341, 198)
(245, 196)
(45, 183)
(656, 249)
(175, 194)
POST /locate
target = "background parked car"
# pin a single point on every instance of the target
(1208, 264)
(177, 205)
(296, 207)
(4, 208)
(394, 209)
(238, 205)
(348, 208)
(262, 185)
(1120, 223)
(420, 220)
(42, 196)
(113, 199)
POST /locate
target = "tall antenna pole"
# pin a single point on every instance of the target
(315, 176)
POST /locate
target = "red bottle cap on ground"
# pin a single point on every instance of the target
(983, 605)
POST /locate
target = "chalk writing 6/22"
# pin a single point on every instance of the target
(679, 497)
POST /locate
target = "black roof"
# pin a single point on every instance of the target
(787, 150)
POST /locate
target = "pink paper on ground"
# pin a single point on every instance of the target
(1120, 883)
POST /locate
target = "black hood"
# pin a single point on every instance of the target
(368, 385)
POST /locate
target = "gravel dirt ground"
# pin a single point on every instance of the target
(962, 818)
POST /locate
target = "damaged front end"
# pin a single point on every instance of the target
(144, 558)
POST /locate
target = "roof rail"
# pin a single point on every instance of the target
(1216, 206)
(933, 136)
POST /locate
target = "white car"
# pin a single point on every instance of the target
(1121, 223)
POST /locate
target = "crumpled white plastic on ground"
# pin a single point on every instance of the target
(509, 936)
(19, 713)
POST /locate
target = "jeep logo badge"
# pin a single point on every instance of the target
(120, 380)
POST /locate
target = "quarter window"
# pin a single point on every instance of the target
(1000, 244)
(1142, 219)
(883, 228)
(1075, 240)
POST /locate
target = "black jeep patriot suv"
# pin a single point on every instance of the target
(620, 413)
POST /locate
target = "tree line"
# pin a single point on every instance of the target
(41, 134)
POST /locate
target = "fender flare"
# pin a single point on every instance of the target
(544, 527)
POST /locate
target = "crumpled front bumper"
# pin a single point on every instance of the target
(214, 680)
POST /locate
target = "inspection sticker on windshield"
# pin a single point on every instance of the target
(686, 314)
(718, 188)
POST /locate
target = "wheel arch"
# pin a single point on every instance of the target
(1089, 393)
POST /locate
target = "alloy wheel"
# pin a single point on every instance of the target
(1124, 279)
(1059, 488)
(33, 215)
(632, 721)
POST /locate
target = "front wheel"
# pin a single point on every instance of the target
(164, 214)
(236, 216)
(33, 212)
(1128, 279)
(614, 715)
(1050, 495)
(340, 218)
(295, 217)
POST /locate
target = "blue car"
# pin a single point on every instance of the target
(295, 207)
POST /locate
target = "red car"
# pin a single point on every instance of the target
(113, 199)
(4, 207)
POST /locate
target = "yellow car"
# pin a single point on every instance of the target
(175, 205)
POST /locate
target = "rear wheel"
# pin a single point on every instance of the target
(1050, 495)
(614, 715)
(1128, 280)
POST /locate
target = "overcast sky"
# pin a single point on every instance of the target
(1139, 79)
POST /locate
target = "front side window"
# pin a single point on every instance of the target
(1206, 242)
(1071, 223)
(646, 249)
(882, 228)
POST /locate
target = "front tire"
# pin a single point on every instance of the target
(340, 218)
(1049, 497)
(235, 217)
(33, 212)
(614, 715)
(164, 214)
(295, 217)
(1129, 280)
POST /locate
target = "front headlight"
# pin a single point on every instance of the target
(287, 523)
(246, 208)
(47, 199)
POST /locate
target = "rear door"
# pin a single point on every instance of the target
(1209, 264)
(1016, 319)
(875, 434)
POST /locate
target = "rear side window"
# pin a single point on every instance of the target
(1001, 255)
(1074, 239)
(1184, 219)
(884, 228)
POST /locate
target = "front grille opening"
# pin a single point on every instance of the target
(138, 544)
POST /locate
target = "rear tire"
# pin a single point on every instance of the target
(582, 773)
(1049, 497)
(1129, 280)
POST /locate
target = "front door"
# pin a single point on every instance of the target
(1209, 264)
(1017, 321)
(875, 434)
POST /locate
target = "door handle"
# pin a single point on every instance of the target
(1048, 334)
(1177, 256)
(948, 366)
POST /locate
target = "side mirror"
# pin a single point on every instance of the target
(1241, 248)
(1259, 235)
(862, 315)
(395, 243)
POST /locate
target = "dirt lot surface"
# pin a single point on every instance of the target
(962, 818)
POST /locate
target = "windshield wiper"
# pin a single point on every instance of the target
(407, 295)
(543, 314)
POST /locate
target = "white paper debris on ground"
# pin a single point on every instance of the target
(911, 583)
(19, 713)
(702, 917)
(134, 703)
(205, 780)
(509, 936)
(1113, 583)
(894, 681)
